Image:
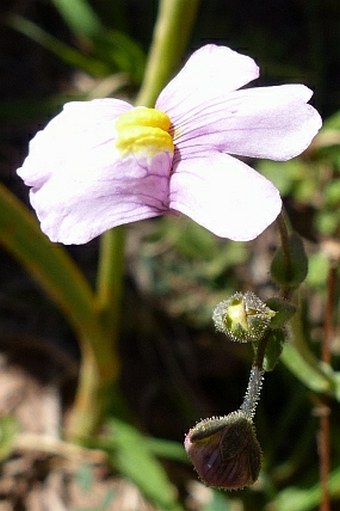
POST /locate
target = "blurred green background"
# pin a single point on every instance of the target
(175, 368)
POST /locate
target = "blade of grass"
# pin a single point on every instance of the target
(80, 17)
(64, 283)
(66, 53)
(131, 454)
(48, 263)
(111, 46)
(306, 499)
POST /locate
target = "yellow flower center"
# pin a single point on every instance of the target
(144, 129)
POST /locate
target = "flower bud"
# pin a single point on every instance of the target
(290, 273)
(242, 317)
(225, 451)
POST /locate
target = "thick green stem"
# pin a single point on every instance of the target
(171, 34)
(100, 361)
(99, 368)
(96, 377)
(110, 280)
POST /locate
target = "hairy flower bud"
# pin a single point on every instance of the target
(225, 451)
(242, 317)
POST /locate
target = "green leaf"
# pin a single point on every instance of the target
(275, 343)
(333, 122)
(121, 53)
(132, 456)
(84, 477)
(113, 47)
(284, 311)
(318, 270)
(167, 449)
(299, 499)
(71, 56)
(299, 366)
(48, 263)
(80, 17)
(332, 193)
(8, 431)
(219, 502)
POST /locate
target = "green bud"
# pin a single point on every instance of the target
(293, 272)
(284, 311)
(225, 451)
(243, 317)
(275, 344)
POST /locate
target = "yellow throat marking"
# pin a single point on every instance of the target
(144, 130)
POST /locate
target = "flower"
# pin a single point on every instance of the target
(103, 163)
(225, 451)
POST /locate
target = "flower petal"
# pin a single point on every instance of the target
(81, 184)
(267, 122)
(211, 72)
(224, 195)
(81, 124)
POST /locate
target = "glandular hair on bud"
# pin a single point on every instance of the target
(225, 451)
(243, 317)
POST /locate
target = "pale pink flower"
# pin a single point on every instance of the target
(103, 163)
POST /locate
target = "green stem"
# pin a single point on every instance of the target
(100, 361)
(98, 371)
(99, 368)
(171, 34)
(110, 279)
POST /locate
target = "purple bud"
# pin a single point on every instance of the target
(225, 451)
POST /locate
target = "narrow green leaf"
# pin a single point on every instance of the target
(318, 381)
(80, 17)
(299, 499)
(48, 263)
(66, 53)
(115, 48)
(167, 449)
(132, 456)
(275, 344)
(8, 431)
(120, 52)
(220, 502)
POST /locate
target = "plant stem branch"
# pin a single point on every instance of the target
(282, 223)
(171, 34)
(110, 280)
(99, 370)
(324, 432)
